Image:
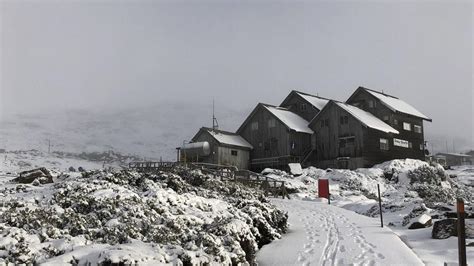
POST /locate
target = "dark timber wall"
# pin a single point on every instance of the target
(273, 141)
(395, 120)
(296, 104)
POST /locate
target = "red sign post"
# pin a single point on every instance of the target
(323, 189)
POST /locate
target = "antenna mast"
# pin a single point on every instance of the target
(215, 124)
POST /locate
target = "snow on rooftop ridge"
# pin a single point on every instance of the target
(290, 119)
(230, 139)
(397, 104)
(314, 100)
(367, 118)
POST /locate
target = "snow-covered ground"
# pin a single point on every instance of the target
(121, 216)
(322, 234)
(409, 189)
(127, 217)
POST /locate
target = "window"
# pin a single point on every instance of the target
(385, 118)
(303, 107)
(371, 104)
(417, 128)
(422, 147)
(254, 125)
(384, 144)
(344, 120)
(271, 123)
(406, 126)
(346, 141)
(395, 122)
(326, 122)
(233, 152)
(410, 145)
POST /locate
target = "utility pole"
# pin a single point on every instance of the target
(215, 124)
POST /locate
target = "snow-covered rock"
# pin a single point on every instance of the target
(422, 221)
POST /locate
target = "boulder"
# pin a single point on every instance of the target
(422, 221)
(443, 229)
(42, 175)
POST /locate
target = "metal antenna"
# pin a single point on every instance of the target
(215, 124)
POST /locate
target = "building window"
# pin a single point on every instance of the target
(254, 125)
(326, 122)
(371, 104)
(344, 120)
(406, 126)
(422, 147)
(410, 145)
(384, 144)
(271, 123)
(303, 107)
(417, 128)
(385, 118)
(395, 122)
(233, 152)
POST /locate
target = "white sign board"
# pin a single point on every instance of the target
(400, 143)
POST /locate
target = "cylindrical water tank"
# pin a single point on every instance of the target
(196, 149)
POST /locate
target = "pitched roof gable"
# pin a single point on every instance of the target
(227, 138)
(315, 101)
(290, 119)
(394, 103)
(366, 118)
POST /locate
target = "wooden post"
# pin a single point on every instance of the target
(461, 232)
(380, 205)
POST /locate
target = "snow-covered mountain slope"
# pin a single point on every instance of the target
(127, 217)
(149, 131)
(322, 234)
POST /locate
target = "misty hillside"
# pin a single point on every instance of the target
(149, 132)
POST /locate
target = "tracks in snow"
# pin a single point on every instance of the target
(331, 238)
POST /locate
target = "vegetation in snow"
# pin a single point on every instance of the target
(128, 217)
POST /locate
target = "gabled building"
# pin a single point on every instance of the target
(346, 136)
(398, 114)
(304, 104)
(278, 136)
(217, 147)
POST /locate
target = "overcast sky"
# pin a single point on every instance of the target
(65, 54)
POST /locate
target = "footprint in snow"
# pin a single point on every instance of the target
(309, 251)
(342, 248)
(301, 258)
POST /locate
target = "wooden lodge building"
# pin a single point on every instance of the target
(278, 136)
(369, 128)
(217, 147)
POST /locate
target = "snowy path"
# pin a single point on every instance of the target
(321, 234)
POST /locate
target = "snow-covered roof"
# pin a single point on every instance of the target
(314, 100)
(229, 138)
(290, 119)
(367, 118)
(397, 105)
(453, 154)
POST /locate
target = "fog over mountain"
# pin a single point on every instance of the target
(141, 76)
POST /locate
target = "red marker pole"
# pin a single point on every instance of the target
(461, 233)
